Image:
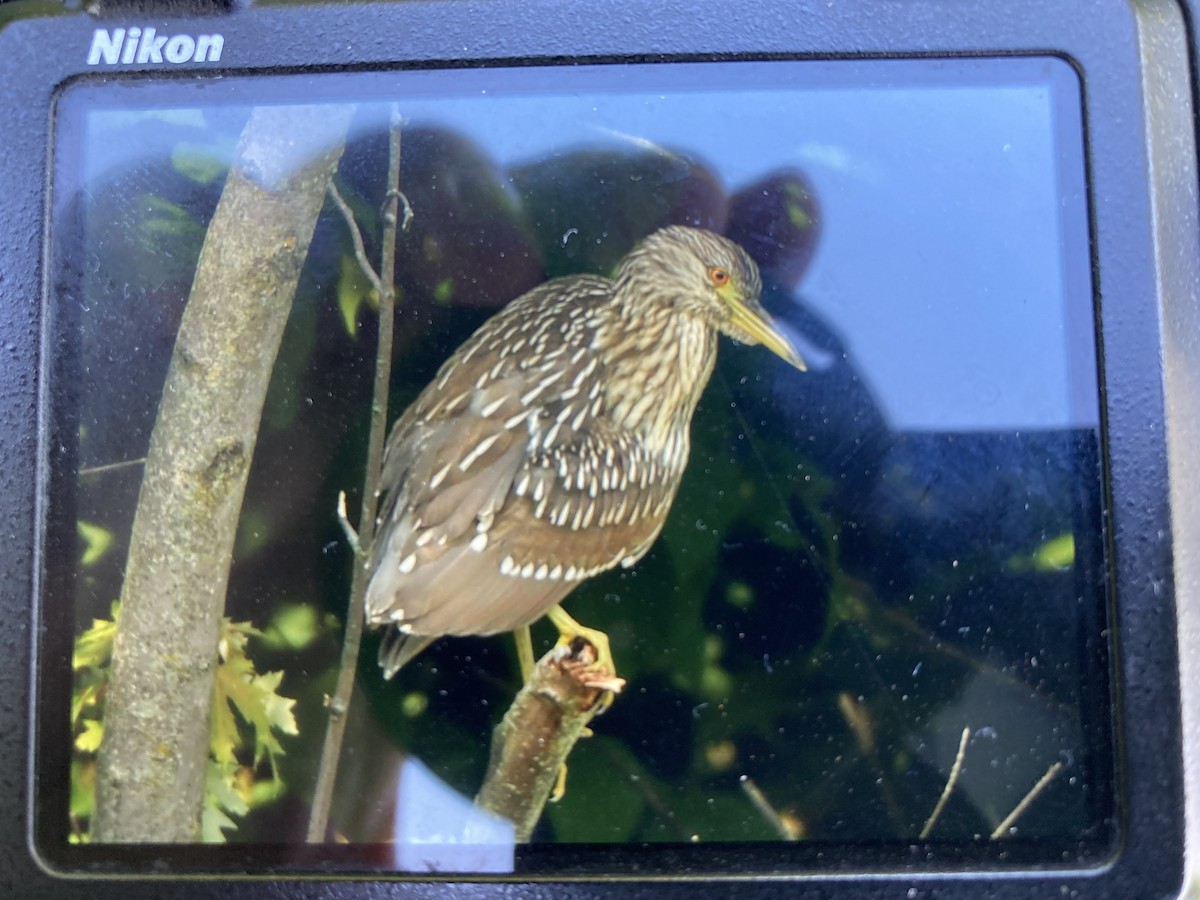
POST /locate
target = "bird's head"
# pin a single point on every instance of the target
(699, 273)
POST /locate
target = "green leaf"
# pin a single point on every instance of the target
(796, 212)
(97, 542)
(213, 823)
(221, 799)
(443, 292)
(198, 163)
(1056, 554)
(93, 648)
(83, 788)
(84, 699)
(294, 626)
(224, 739)
(353, 291)
(166, 219)
(254, 697)
(264, 790)
(232, 787)
(245, 702)
(89, 739)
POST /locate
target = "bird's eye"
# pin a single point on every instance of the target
(718, 276)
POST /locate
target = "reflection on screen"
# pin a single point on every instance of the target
(879, 576)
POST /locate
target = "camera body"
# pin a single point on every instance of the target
(933, 147)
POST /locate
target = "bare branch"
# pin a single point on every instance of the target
(385, 283)
(360, 250)
(347, 528)
(785, 830)
(1002, 830)
(112, 467)
(955, 771)
(531, 743)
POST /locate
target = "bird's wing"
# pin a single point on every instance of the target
(600, 494)
(450, 464)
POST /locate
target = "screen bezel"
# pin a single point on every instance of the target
(1127, 271)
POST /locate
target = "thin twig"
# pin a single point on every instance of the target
(406, 219)
(384, 282)
(766, 810)
(1004, 827)
(112, 467)
(360, 250)
(347, 528)
(955, 770)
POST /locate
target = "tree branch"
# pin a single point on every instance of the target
(786, 830)
(955, 771)
(360, 249)
(152, 763)
(385, 281)
(532, 741)
(1004, 828)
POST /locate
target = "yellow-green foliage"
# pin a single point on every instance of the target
(97, 541)
(93, 651)
(354, 290)
(249, 715)
(1056, 554)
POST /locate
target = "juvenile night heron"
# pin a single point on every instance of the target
(550, 446)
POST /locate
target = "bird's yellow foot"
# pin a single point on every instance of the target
(601, 674)
(560, 784)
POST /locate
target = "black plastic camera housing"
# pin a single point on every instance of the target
(1121, 81)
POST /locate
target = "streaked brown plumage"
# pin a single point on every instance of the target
(550, 446)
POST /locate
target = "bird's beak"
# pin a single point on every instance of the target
(755, 321)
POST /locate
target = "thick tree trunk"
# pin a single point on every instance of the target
(152, 764)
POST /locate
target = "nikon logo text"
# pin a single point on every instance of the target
(144, 45)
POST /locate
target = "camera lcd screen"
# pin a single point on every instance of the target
(876, 616)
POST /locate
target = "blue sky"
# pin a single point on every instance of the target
(954, 253)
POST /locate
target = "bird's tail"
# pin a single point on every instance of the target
(397, 648)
